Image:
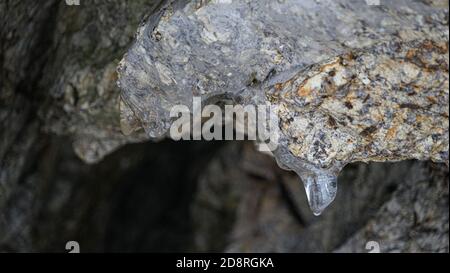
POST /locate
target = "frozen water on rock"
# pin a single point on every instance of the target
(320, 184)
(273, 52)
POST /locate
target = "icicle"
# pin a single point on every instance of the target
(320, 185)
(320, 189)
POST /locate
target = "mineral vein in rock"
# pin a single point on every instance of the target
(351, 82)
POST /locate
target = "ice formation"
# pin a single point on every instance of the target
(350, 81)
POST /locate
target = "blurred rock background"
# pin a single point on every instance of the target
(58, 102)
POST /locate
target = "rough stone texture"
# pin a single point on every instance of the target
(370, 83)
(22, 55)
(415, 219)
(347, 81)
(57, 75)
(380, 105)
(56, 79)
(83, 82)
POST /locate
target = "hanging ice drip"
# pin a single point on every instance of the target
(320, 184)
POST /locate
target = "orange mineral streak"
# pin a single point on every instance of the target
(391, 132)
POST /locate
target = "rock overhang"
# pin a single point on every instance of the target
(350, 81)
